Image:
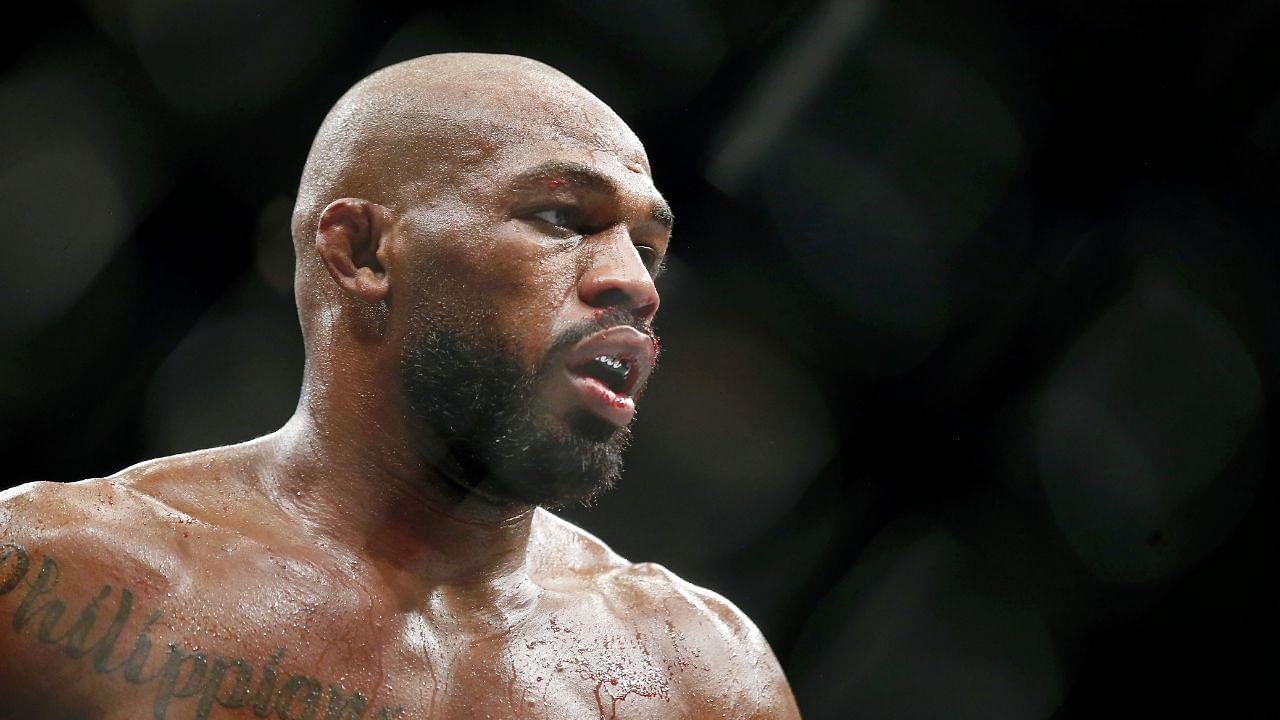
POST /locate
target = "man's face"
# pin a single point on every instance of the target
(526, 307)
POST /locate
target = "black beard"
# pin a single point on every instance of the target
(496, 439)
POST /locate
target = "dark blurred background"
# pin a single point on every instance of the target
(972, 333)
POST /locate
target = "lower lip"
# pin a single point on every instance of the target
(617, 409)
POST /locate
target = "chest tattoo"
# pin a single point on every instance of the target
(186, 682)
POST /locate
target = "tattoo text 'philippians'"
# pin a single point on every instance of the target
(200, 680)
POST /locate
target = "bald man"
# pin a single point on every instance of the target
(476, 241)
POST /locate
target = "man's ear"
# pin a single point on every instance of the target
(348, 239)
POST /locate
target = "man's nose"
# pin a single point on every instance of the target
(618, 279)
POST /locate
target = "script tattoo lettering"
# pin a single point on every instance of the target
(209, 681)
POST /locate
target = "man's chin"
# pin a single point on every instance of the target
(574, 463)
(592, 428)
(513, 435)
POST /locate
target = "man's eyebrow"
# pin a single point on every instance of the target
(554, 173)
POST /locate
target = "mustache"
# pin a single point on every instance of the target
(604, 320)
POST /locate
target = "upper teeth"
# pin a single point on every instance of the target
(614, 363)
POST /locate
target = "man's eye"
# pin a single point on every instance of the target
(649, 255)
(561, 217)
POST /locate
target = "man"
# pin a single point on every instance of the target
(476, 241)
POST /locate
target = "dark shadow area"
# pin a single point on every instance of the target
(972, 329)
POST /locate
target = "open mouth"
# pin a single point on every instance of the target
(615, 373)
(607, 368)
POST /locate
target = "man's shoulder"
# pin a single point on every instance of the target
(61, 544)
(56, 510)
(569, 557)
(706, 633)
(133, 520)
(101, 526)
(128, 491)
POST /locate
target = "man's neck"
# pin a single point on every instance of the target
(369, 493)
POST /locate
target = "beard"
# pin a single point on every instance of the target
(484, 411)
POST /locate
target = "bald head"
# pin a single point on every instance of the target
(404, 132)
(423, 120)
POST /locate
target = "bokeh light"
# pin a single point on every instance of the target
(910, 634)
(228, 58)
(1148, 410)
(247, 355)
(72, 181)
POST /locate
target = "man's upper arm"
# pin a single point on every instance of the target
(50, 569)
(20, 537)
(739, 662)
(770, 698)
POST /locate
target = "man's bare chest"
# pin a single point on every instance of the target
(265, 650)
(531, 675)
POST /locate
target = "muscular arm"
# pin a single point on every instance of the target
(717, 649)
(711, 650)
(91, 627)
(37, 638)
(769, 697)
(76, 603)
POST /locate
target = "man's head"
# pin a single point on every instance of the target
(479, 234)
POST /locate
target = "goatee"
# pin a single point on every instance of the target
(497, 440)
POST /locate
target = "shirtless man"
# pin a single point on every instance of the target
(476, 237)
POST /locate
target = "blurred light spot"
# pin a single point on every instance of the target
(879, 183)
(1137, 428)
(65, 215)
(730, 434)
(618, 50)
(273, 245)
(1266, 129)
(681, 39)
(786, 87)
(234, 377)
(910, 634)
(863, 241)
(74, 181)
(227, 57)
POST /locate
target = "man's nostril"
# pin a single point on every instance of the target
(646, 312)
(612, 297)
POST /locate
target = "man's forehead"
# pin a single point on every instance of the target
(505, 134)
(451, 121)
(552, 125)
(521, 135)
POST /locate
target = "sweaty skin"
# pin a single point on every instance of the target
(343, 567)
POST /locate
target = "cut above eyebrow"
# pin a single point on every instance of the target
(577, 174)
